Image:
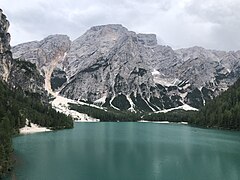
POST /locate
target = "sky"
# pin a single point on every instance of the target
(212, 24)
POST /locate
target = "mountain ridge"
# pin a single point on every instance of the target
(118, 62)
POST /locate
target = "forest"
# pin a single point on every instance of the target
(106, 114)
(221, 112)
(15, 107)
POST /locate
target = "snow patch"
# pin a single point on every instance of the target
(157, 78)
(113, 105)
(185, 107)
(155, 72)
(102, 100)
(204, 101)
(6, 72)
(183, 95)
(165, 81)
(61, 104)
(186, 86)
(131, 104)
(149, 105)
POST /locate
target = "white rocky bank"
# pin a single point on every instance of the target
(30, 128)
(61, 104)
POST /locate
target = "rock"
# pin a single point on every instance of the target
(147, 39)
(24, 75)
(18, 73)
(47, 55)
(5, 53)
(110, 64)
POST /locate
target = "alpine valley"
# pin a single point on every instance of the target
(113, 74)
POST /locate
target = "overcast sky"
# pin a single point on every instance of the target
(213, 24)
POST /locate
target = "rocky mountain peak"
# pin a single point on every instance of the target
(46, 54)
(147, 39)
(109, 65)
(58, 41)
(102, 35)
(109, 27)
(44, 51)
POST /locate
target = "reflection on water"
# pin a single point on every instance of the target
(129, 151)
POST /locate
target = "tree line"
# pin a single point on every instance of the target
(222, 112)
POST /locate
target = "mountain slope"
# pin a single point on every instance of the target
(45, 54)
(110, 64)
(223, 111)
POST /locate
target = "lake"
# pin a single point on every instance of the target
(128, 151)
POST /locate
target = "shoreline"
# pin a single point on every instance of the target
(86, 121)
(163, 122)
(33, 129)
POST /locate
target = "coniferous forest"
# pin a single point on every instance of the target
(221, 112)
(15, 107)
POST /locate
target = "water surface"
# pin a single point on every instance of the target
(128, 151)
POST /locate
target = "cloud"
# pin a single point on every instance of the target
(180, 23)
(224, 17)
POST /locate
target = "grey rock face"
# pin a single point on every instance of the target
(109, 64)
(107, 61)
(147, 39)
(195, 71)
(25, 75)
(5, 53)
(90, 47)
(100, 64)
(42, 53)
(18, 74)
(46, 54)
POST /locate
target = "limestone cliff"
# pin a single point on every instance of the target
(5, 53)
(112, 66)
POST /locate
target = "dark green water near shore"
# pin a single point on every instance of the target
(128, 151)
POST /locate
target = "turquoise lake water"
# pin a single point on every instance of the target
(128, 151)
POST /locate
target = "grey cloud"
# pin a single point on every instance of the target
(224, 16)
(180, 23)
(221, 11)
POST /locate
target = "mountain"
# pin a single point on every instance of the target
(111, 66)
(44, 55)
(17, 73)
